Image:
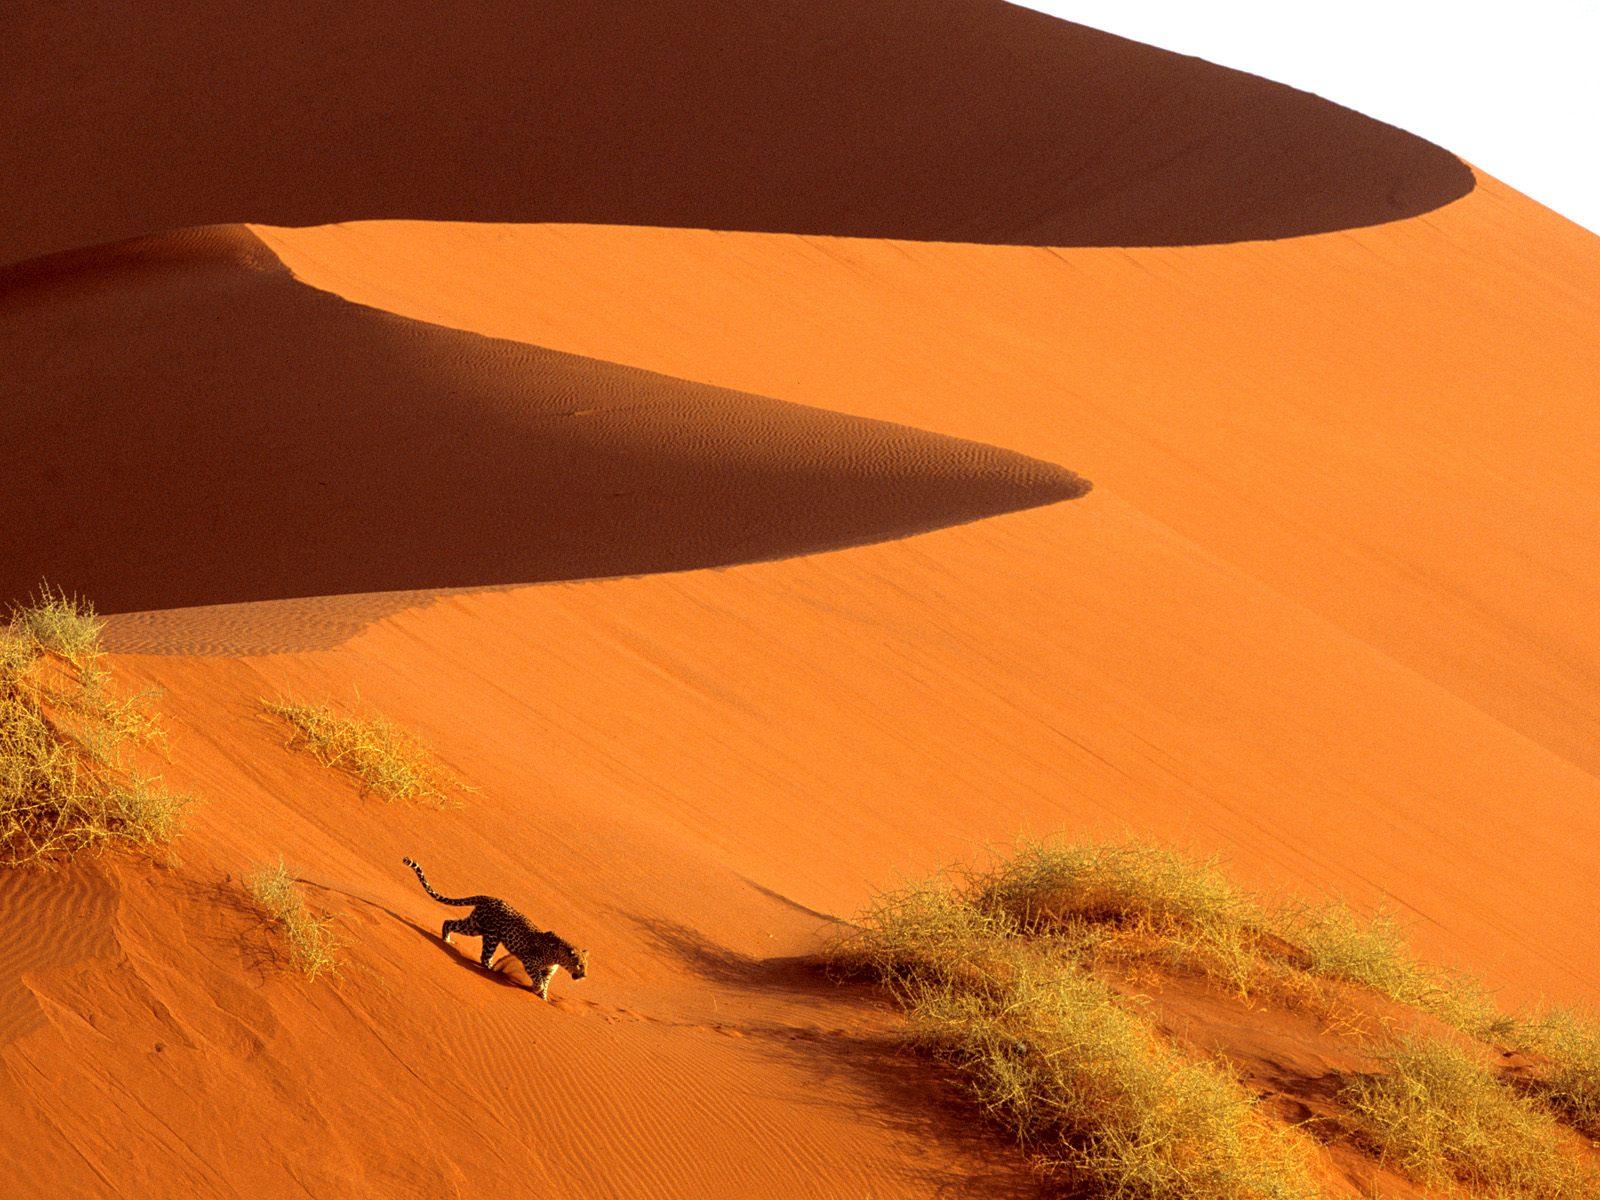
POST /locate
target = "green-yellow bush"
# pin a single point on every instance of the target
(1053, 1054)
(1567, 1077)
(1443, 1118)
(377, 753)
(313, 948)
(1121, 894)
(996, 970)
(68, 783)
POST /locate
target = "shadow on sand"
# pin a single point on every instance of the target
(894, 1085)
(188, 425)
(963, 120)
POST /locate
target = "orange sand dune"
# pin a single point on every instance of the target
(1327, 611)
(254, 439)
(1398, 428)
(951, 120)
(688, 773)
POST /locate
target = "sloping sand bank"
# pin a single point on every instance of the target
(956, 120)
(251, 438)
(1396, 428)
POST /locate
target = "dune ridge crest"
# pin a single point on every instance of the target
(950, 121)
(353, 451)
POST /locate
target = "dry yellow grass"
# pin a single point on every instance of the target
(1567, 1078)
(67, 780)
(1441, 1116)
(996, 970)
(313, 948)
(1132, 898)
(373, 750)
(1053, 1054)
(1338, 944)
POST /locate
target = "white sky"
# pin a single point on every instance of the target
(1512, 87)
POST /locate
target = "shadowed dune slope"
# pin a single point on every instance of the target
(950, 120)
(1398, 428)
(189, 425)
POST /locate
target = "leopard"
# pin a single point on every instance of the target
(541, 952)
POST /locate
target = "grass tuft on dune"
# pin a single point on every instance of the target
(1335, 943)
(68, 782)
(1004, 973)
(313, 948)
(1443, 1117)
(1052, 1053)
(1132, 900)
(1567, 1077)
(373, 750)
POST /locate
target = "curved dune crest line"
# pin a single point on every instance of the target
(952, 120)
(190, 425)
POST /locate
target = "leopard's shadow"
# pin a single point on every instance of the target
(910, 1092)
(469, 962)
(498, 973)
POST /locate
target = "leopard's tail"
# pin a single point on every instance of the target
(462, 902)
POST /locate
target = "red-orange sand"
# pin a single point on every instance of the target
(1329, 609)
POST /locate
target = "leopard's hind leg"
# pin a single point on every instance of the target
(490, 944)
(464, 925)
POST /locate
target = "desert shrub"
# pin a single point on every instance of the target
(1338, 944)
(313, 947)
(1130, 897)
(1053, 1054)
(1567, 1076)
(1004, 973)
(1441, 1116)
(60, 625)
(67, 780)
(1097, 1096)
(929, 934)
(377, 753)
(1043, 887)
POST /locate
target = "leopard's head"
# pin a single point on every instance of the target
(577, 962)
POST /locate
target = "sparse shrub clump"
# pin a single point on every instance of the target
(1567, 1077)
(313, 948)
(1130, 899)
(1443, 1118)
(1337, 944)
(67, 782)
(1043, 888)
(378, 754)
(1051, 1052)
(59, 625)
(1017, 976)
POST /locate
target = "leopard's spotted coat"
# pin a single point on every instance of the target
(498, 924)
